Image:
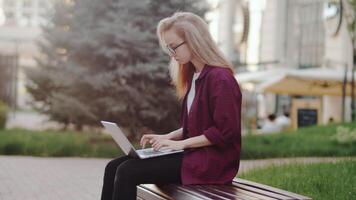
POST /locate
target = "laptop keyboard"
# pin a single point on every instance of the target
(151, 151)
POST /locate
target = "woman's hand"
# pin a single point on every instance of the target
(164, 144)
(151, 138)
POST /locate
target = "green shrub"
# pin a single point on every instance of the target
(14, 148)
(306, 142)
(330, 140)
(345, 135)
(3, 115)
(57, 144)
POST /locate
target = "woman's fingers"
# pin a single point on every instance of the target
(142, 139)
(145, 139)
(150, 138)
(153, 139)
(155, 143)
(159, 144)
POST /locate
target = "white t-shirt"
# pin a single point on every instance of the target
(270, 127)
(283, 121)
(191, 94)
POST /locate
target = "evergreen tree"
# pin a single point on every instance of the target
(101, 61)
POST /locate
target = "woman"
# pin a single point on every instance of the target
(210, 117)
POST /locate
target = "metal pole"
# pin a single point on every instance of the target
(353, 87)
(16, 76)
(344, 83)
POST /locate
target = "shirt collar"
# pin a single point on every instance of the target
(204, 72)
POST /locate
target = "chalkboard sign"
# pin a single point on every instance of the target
(307, 117)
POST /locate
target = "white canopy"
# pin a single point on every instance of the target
(310, 82)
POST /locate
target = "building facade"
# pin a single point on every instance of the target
(299, 34)
(286, 34)
(20, 22)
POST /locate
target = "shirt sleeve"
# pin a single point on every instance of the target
(225, 104)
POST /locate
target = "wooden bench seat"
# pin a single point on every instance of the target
(241, 189)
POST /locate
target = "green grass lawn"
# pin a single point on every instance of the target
(313, 141)
(305, 142)
(53, 143)
(322, 181)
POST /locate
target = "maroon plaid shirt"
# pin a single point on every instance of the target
(216, 113)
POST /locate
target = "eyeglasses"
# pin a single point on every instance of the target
(172, 50)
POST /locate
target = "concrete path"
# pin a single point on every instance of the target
(34, 178)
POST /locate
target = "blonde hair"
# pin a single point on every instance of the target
(194, 30)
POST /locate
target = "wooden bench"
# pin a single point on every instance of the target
(240, 189)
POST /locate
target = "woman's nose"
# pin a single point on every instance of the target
(173, 56)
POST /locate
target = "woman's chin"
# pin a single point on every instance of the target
(182, 62)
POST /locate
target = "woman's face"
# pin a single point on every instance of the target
(178, 47)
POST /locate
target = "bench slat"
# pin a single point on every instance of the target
(240, 190)
(223, 192)
(151, 193)
(266, 193)
(194, 191)
(272, 189)
(203, 192)
(210, 194)
(252, 194)
(239, 193)
(170, 192)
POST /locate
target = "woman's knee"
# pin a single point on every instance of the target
(112, 165)
(126, 170)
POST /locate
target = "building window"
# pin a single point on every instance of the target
(43, 4)
(9, 3)
(27, 3)
(311, 34)
(25, 19)
(9, 18)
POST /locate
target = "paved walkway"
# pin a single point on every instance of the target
(34, 178)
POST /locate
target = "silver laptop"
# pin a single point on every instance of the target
(128, 148)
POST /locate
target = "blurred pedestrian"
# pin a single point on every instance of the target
(284, 121)
(270, 125)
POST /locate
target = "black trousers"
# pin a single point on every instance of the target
(123, 174)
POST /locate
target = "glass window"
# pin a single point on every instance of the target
(311, 34)
(43, 3)
(10, 18)
(27, 3)
(9, 3)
